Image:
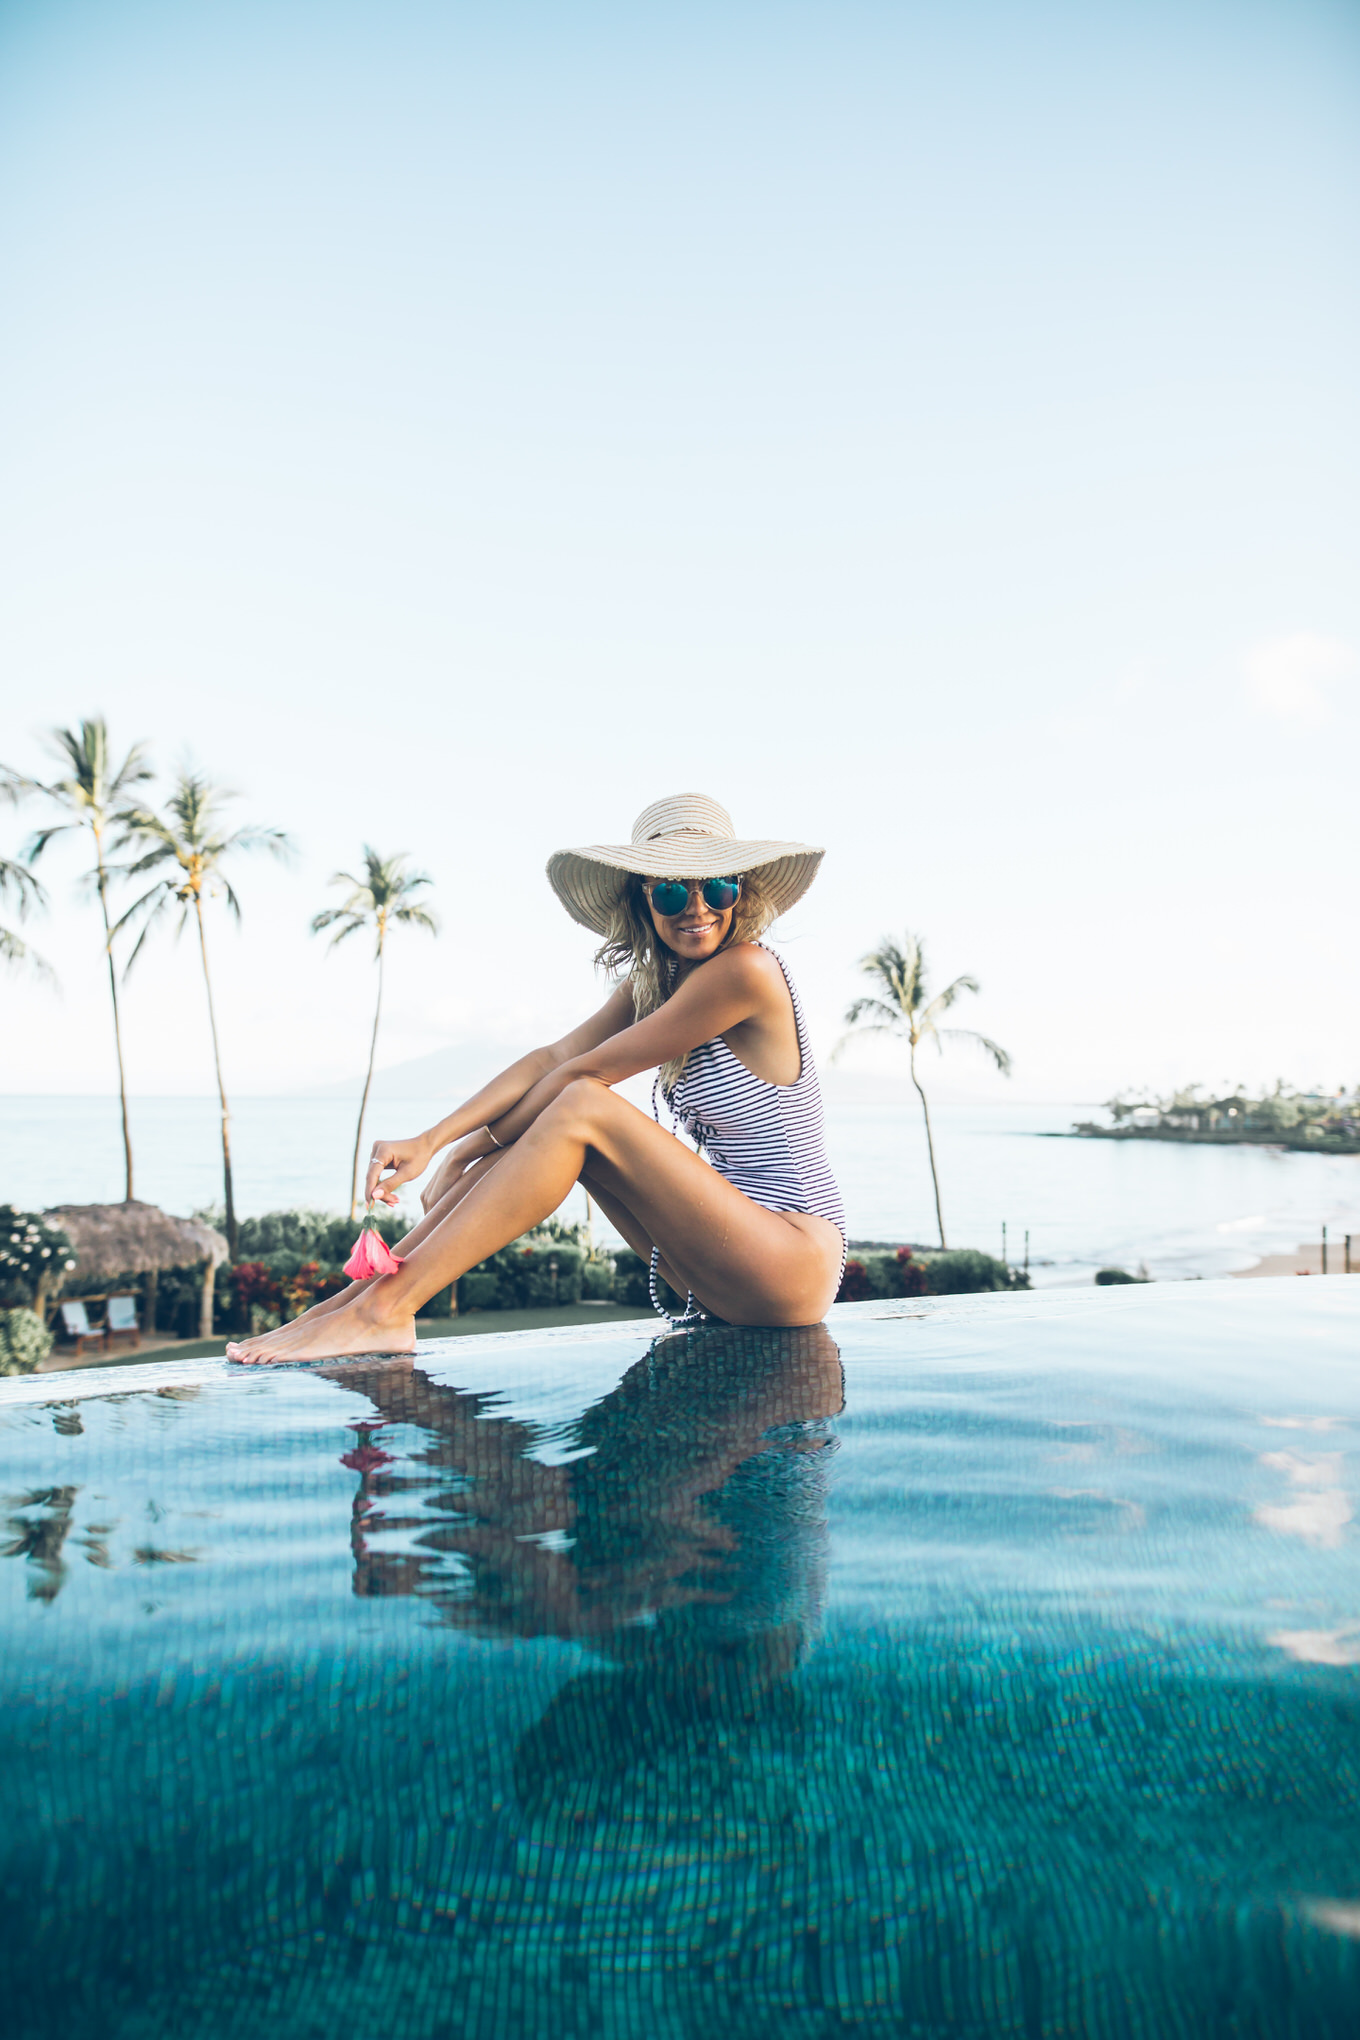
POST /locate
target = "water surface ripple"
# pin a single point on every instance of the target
(981, 1667)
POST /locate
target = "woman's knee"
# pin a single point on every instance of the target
(584, 1102)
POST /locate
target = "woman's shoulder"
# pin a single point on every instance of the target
(750, 965)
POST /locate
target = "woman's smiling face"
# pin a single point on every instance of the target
(698, 931)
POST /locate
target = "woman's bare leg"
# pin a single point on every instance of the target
(606, 1195)
(423, 1227)
(750, 1265)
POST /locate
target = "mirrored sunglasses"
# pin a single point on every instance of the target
(671, 896)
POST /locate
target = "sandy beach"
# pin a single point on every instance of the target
(1306, 1259)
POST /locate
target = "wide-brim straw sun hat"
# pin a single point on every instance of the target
(687, 835)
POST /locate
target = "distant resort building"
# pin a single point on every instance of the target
(1283, 1118)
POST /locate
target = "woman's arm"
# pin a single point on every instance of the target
(715, 997)
(466, 1125)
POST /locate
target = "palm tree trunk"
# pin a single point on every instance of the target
(363, 1102)
(930, 1146)
(221, 1088)
(117, 1024)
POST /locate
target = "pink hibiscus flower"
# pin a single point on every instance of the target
(370, 1254)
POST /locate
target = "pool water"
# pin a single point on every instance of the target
(974, 1667)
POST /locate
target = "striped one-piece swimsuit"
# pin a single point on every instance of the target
(766, 1139)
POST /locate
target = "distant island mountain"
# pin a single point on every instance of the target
(448, 1072)
(1317, 1122)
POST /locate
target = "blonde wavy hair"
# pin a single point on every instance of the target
(633, 949)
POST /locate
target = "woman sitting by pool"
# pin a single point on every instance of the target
(758, 1238)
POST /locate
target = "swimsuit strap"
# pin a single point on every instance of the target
(692, 1314)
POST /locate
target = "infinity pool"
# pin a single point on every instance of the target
(982, 1667)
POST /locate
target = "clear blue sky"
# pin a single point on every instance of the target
(930, 429)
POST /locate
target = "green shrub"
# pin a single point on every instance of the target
(598, 1280)
(964, 1270)
(285, 1239)
(480, 1289)
(902, 1273)
(631, 1274)
(1106, 1276)
(551, 1273)
(630, 1277)
(178, 1301)
(24, 1341)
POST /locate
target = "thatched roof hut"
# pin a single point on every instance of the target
(134, 1239)
(113, 1240)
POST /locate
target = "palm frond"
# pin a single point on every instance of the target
(900, 970)
(417, 917)
(942, 1001)
(17, 786)
(384, 897)
(149, 908)
(884, 1014)
(353, 923)
(14, 950)
(135, 770)
(151, 860)
(39, 840)
(18, 882)
(989, 1047)
(275, 842)
(91, 782)
(143, 827)
(892, 1027)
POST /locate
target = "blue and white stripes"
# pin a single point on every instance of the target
(766, 1139)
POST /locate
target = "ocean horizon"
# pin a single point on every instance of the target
(1182, 1212)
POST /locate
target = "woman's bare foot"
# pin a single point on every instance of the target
(238, 1349)
(335, 1336)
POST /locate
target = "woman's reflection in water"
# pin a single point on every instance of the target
(685, 1539)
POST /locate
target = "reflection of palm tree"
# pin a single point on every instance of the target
(39, 1537)
(684, 1539)
(904, 1008)
(384, 898)
(91, 791)
(188, 837)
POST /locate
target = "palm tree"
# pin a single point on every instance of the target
(18, 883)
(905, 1009)
(188, 838)
(384, 898)
(90, 790)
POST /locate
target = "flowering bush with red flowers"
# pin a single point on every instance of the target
(253, 1282)
(911, 1275)
(898, 1272)
(855, 1286)
(311, 1284)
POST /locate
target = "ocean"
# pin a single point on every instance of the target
(1180, 1211)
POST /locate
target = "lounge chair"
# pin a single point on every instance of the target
(121, 1322)
(75, 1323)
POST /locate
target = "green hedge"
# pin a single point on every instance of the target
(950, 1272)
(290, 1258)
(528, 1272)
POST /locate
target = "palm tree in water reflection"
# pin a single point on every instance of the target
(684, 1537)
